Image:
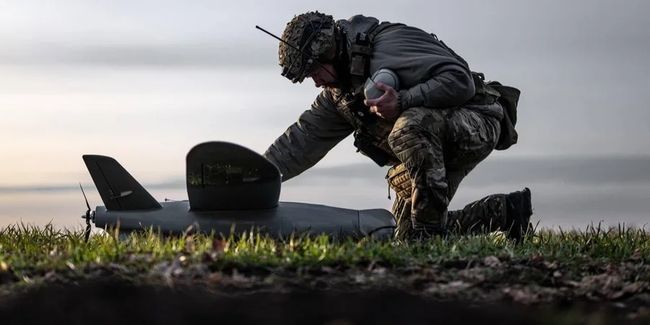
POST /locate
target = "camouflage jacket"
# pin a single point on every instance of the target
(429, 74)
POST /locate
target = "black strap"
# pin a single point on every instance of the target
(361, 52)
(452, 52)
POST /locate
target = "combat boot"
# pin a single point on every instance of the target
(518, 211)
(422, 231)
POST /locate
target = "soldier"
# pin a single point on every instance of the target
(433, 130)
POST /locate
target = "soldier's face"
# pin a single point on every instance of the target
(323, 75)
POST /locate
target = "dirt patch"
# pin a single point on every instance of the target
(122, 302)
(489, 290)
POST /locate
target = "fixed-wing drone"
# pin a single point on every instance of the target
(231, 189)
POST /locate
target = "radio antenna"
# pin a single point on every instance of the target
(297, 49)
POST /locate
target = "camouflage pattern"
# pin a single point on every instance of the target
(377, 131)
(399, 180)
(312, 33)
(439, 148)
(484, 215)
(436, 80)
(438, 138)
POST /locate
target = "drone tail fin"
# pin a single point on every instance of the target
(117, 188)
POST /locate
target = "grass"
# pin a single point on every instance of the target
(27, 250)
(598, 266)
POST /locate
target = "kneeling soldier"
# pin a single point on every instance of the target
(433, 128)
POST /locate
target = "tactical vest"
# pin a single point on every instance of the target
(371, 132)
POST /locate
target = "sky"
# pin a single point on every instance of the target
(144, 81)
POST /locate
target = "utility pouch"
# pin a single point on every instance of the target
(508, 98)
(399, 180)
(484, 95)
(365, 145)
(360, 110)
(488, 93)
(360, 52)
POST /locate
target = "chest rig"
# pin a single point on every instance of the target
(359, 45)
(370, 136)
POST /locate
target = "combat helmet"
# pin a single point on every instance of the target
(312, 40)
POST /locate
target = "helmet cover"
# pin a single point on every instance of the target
(311, 37)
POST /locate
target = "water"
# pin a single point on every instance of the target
(567, 193)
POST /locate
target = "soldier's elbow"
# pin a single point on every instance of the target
(459, 87)
(466, 89)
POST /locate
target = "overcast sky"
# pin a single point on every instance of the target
(145, 80)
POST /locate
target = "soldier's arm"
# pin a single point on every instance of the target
(448, 88)
(429, 73)
(307, 141)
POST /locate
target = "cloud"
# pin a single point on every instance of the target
(152, 55)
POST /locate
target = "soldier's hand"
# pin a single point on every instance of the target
(385, 106)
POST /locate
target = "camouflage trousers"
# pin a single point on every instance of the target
(438, 148)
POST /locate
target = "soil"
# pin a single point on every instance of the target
(492, 291)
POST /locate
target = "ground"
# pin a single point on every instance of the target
(590, 277)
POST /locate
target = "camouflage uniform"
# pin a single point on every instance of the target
(437, 139)
(438, 149)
